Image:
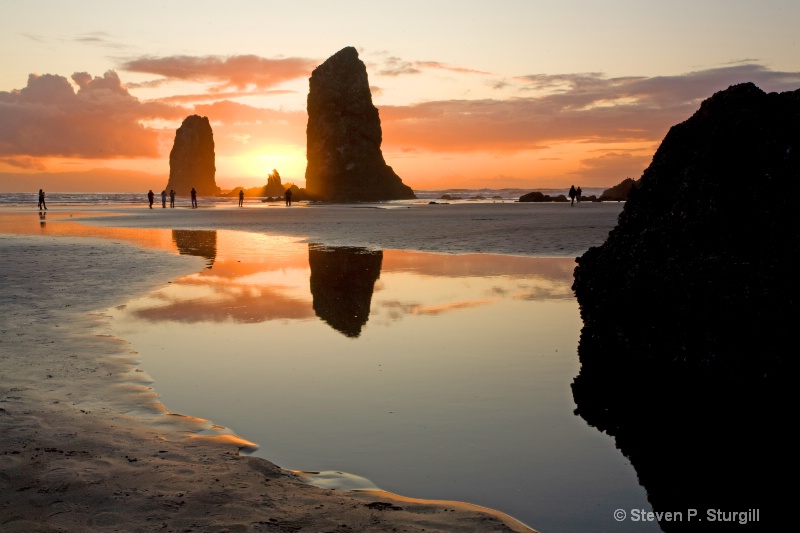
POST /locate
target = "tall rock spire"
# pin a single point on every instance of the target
(343, 136)
(191, 161)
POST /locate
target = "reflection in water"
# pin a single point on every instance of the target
(201, 243)
(342, 281)
(456, 388)
(695, 444)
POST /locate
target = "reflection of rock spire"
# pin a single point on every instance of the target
(202, 243)
(694, 444)
(342, 280)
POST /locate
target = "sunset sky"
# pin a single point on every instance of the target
(530, 94)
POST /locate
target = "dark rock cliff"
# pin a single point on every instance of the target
(697, 268)
(688, 309)
(619, 192)
(345, 162)
(191, 161)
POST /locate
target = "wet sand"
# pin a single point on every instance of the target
(84, 441)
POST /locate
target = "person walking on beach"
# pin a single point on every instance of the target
(578, 193)
(194, 198)
(288, 196)
(42, 203)
(164, 199)
(172, 197)
(150, 197)
(572, 193)
(241, 197)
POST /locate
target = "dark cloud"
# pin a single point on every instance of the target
(99, 120)
(99, 38)
(395, 66)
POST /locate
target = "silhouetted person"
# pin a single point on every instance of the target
(172, 197)
(194, 198)
(578, 193)
(150, 197)
(572, 194)
(42, 204)
(241, 198)
(164, 199)
(288, 196)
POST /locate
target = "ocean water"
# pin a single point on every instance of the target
(72, 199)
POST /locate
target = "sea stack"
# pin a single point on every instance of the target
(696, 279)
(343, 136)
(191, 161)
(689, 308)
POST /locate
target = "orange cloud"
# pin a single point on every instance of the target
(239, 71)
(28, 163)
(614, 163)
(101, 120)
(567, 108)
(217, 96)
(234, 121)
(230, 112)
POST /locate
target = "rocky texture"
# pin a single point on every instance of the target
(191, 161)
(537, 196)
(693, 276)
(342, 282)
(345, 162)
(687, 307)
(619, 192)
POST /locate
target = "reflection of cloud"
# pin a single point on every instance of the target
(397, 309)
(452, 306)
(240, 303)
(556, 269)
(546, 293)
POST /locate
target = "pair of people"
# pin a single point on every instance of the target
(574, 194)
(42, 203)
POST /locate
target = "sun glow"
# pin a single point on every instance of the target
(288, 160)
(252, 168)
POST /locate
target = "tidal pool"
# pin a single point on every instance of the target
(432, 376)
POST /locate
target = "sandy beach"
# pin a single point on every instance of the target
(85, 443)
